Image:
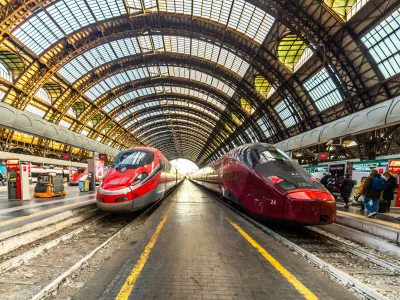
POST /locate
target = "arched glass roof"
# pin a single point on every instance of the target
(107, 52)
(163, 90)
(156, 71)
(61, 18)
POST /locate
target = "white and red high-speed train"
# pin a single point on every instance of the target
(267, 184)
(137, 178)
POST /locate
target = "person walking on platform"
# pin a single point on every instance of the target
(2, 179)
(388, 193)
(345, 189)
(374, 185)
(327, 178)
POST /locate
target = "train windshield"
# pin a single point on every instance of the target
(133, 159)
(270, 154)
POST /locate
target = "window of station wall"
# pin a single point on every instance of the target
(286, 110)
(42, 94)
(65, 124)
(383, 42)
(5, 73)
(323, 90)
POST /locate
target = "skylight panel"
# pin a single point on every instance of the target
(84, 132)
(145, 43)
(34, 110)
(105, 9)
(285, 111)
(100, 55)
(356, 7)
(71, 15)
(38, 32)
(383, 42)
(65, 124)
(125, 47)
(323, 90)
(263, 127)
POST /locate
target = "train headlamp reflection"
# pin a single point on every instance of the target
(139, 178)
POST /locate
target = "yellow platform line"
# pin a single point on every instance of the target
(389, 224)
(134, 275)
(303, 290)
(43, 212)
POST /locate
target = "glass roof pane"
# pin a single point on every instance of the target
(323, 90)
(284, 110)
(383, 42)
(127, 47)
(131, 75)
(39, 31)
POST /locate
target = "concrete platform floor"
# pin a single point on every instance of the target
(16, 213)
(193, 247)
(389, 219)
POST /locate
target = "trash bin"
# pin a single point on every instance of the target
(85, 186)
(80, 183)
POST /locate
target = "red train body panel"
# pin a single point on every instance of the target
(138, 177)
(269, 185)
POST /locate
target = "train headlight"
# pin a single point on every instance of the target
(139, 178)
(282, 183)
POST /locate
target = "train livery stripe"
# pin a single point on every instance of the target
(303, 290)
(134, 275)
(43, 212)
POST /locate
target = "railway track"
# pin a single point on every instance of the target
(369, 276)
(36, 272)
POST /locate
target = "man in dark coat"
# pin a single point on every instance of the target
(388, 194)
(324, 180)
(345, 189)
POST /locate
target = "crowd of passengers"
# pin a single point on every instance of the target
(375, 193)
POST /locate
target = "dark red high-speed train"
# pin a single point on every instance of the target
(267, 184)
(137, 178)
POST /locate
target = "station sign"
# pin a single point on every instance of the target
(394, 166)
(103, 156)
(67, 156)
(323, 155)
(12, 164)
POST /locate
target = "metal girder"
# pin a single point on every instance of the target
(201, 131)
(174, 108)
(177, 137)
(152, 122)
(161, 143)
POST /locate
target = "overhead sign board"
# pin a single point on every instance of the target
(67, 156)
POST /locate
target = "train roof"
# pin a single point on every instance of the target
(150, 149)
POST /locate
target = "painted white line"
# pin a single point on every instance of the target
(7, 210)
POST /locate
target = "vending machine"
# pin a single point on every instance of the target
(17, 179)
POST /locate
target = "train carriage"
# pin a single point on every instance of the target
(266, 183)
(137, 178)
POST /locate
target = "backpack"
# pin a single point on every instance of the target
(379, 184)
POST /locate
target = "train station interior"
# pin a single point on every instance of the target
(208, 149)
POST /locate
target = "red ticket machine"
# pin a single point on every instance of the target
(18, 179)
(394, 169)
